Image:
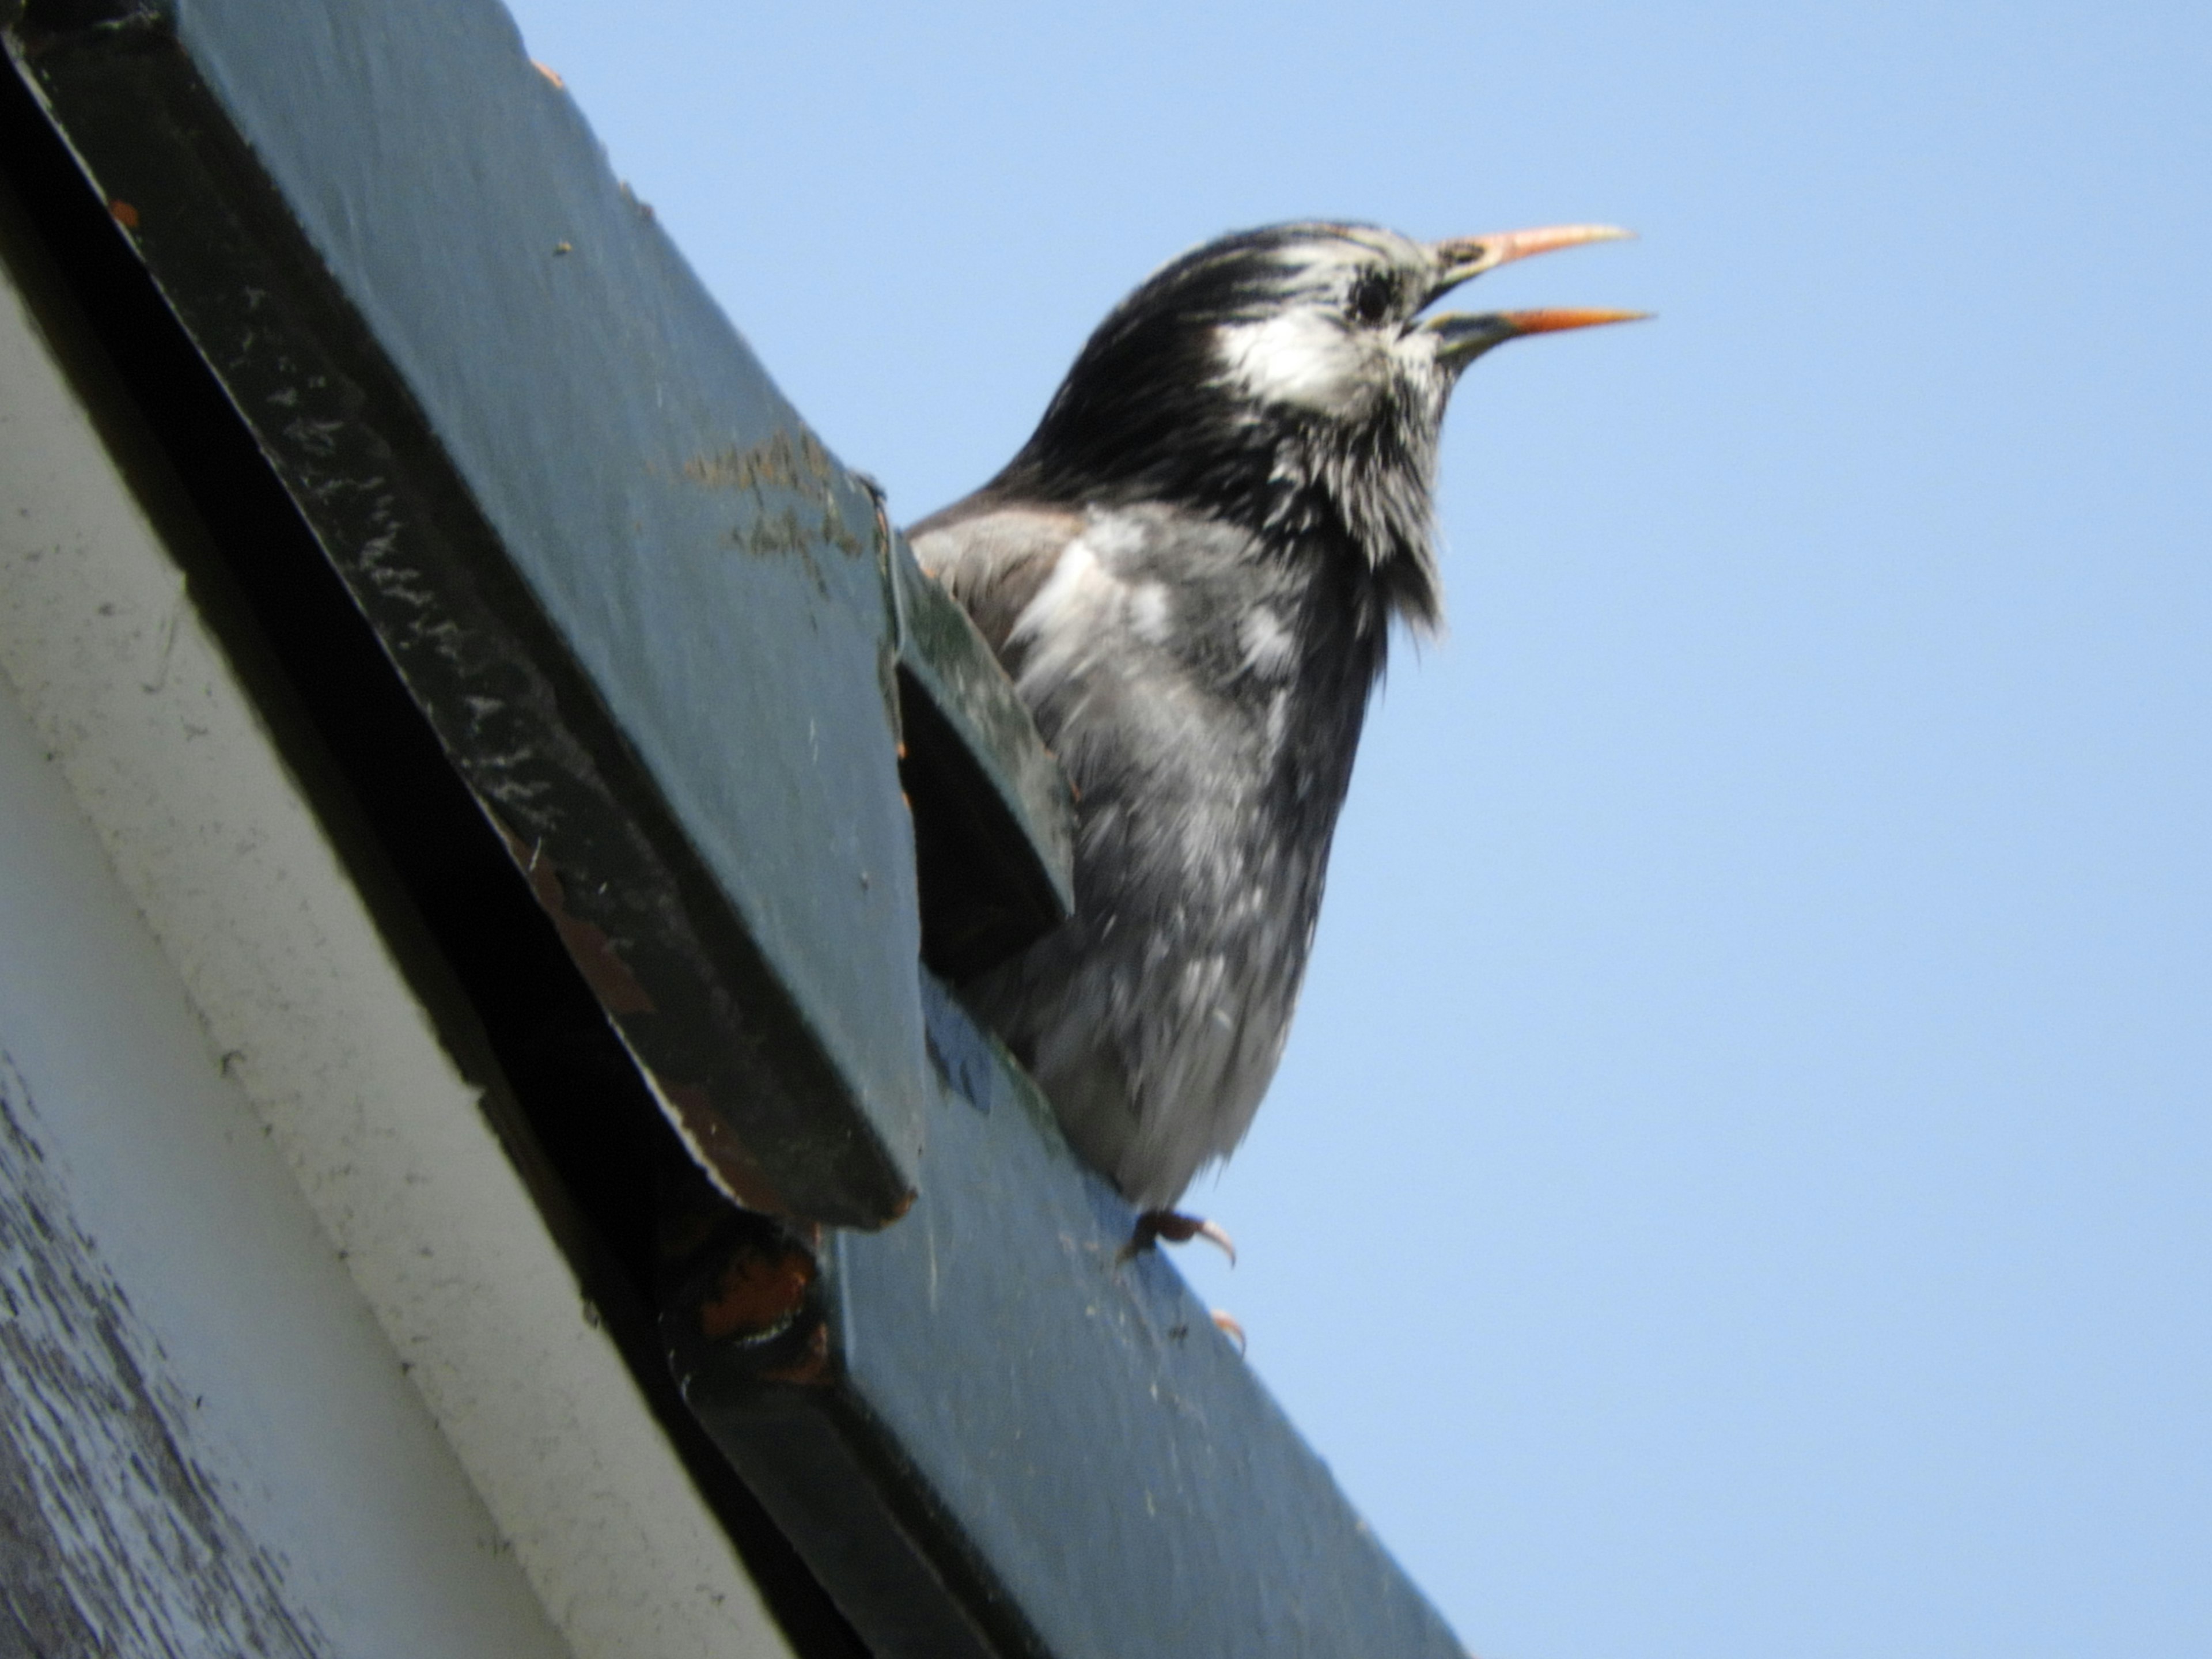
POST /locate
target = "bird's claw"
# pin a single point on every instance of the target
(1227, 1325)
(1177, 1228)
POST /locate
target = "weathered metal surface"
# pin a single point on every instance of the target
(153, 695)
(650, 618)
(994, 819)
(634, 1549)
(990, 1400)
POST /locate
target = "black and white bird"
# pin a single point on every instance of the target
(1191, 571)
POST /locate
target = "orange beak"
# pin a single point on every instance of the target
(1552, 321)
(1462, 336)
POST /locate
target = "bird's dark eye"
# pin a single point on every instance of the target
(1374, 297)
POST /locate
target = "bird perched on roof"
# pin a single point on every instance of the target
(1191, 571)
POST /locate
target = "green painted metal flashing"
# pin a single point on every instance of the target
(994, 819)
(1015, 1439)
(652, 619)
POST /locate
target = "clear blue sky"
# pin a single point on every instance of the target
(1741, 1183)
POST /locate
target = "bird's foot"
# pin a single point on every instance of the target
(1177, 1228)
(1227, 1325)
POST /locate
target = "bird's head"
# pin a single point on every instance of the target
(1292, 379)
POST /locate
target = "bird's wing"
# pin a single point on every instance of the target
(993, 556)
(1154, 1018)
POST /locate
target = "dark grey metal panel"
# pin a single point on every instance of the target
(650, 616)
(994, 817)
(1061, 1436)
(717, 573)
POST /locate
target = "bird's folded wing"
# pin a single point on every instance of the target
(993, 555)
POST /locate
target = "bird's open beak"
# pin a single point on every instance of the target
(1463, 257)
(1462, 337)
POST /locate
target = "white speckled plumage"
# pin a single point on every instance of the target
(1190, 572)
(1195, 900)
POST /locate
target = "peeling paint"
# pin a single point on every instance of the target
(781, 463)
(775, 461)
(115, 1537)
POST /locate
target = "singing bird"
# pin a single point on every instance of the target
(1191, 571)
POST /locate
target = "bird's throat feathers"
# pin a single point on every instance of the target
(1220, 387)
(1337, 484)
(1363, 491)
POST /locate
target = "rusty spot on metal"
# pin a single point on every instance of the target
(759, 1294)
(124, 213)
(617, 988)
(703, 1130)
(811, 1366)
(717, 1147)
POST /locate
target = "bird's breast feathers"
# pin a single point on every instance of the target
(1170, 664)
